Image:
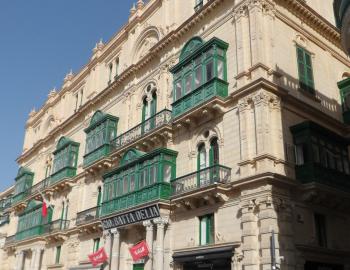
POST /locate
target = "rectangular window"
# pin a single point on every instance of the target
(220, 69)
(320, 230)
(198, 77)
(132, 182)
(58, 254)
(178, 90)
(209, 67)
(188, 83)
(306, 79)
(300, 150)
(96, 244)
(167, 173)
(206, 229)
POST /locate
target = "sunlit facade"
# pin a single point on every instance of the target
(217, 131)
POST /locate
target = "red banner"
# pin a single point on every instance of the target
(98, 257)
(139, 251)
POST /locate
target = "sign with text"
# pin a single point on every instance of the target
(98, 257)
(135, 216)
(139, 251)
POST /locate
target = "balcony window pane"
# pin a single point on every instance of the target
(188, 84)
(209, 67)
(178, 90)
(167, 173)
(132, 182)
(220, 69)
(198, 77)
(299, 154)
(316, 153)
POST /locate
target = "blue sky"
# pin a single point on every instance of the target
(40, 41)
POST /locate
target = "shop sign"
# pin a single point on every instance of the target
(98, 257)
(139, 251)
(135, 216)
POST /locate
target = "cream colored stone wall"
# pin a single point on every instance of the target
(252, 127)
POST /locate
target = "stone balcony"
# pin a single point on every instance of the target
(88, 220)
(206, 186)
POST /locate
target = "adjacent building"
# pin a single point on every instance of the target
(213, 130)
(342, 15)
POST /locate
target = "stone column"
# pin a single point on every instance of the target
(32, 263)
(116, 249)
(37, 258)
(149, 239)
(161, 222)
(108, 240)
(20, 260)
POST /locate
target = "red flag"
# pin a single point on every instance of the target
(44, 209)
(98, 257)
(139, 251)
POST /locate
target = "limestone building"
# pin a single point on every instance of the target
(217, 131)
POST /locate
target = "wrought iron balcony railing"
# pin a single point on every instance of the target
(156, 121)
(202, 178)
(88, 215)
(55, 226)
(5, 203)
(198, 6)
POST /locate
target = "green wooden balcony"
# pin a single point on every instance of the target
(40, 230)
(216, 174)
(214, 87)
(88, 216)
(315, 172)
(158, 191)
(67, 172)
(97, 154)
(158, 120)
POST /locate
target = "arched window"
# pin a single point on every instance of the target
(149, 108)
(214, 152)
(202, 157)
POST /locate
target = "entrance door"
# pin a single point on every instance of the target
(209, 265)
(138, 266)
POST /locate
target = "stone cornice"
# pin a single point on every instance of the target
(312, 18)
(130, 71)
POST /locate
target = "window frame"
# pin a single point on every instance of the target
(306, 83)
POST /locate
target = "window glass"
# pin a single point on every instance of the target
(188, 83)
(198, 77)
(316, 153)
(220, 69)
(209, 67)
(167, 173)
(178, 90)
(299, 154)
(132, 182)
(320, 229)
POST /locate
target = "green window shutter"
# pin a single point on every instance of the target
(58, 254)
(306, 79)
(210, 229)
(99, 197)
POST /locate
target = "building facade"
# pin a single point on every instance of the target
(216, 131)
(342, 15)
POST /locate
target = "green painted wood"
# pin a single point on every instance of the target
(306, 79)
(200, 75)
(326, 159)
(344, 87)
(138, 266)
